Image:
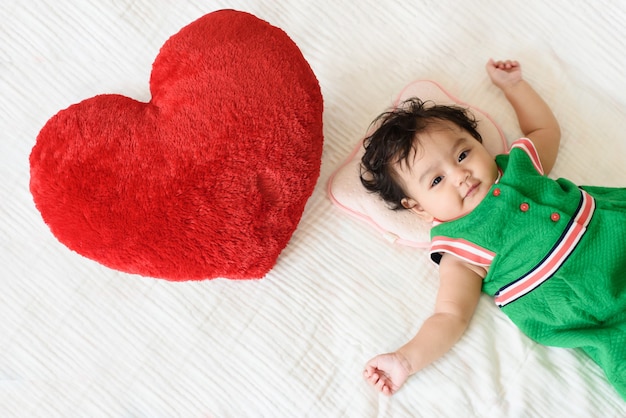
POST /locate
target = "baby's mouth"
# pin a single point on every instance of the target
(472, 190)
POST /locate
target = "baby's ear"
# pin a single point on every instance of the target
(417, 209)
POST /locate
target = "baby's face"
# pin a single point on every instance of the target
(448, 175)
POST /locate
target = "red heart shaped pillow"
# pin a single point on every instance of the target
(208, 179)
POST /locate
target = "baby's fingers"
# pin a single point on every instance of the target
(505, 64)
(378, 381)
(371, 375)
(384, 387)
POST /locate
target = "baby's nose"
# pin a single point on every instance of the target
(462, 175)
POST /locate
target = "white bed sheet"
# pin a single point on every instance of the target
(78, 339)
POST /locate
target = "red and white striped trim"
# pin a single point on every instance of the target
(553, 261)
(463, 249)
(528, 147)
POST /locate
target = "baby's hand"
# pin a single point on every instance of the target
(504, 73)
(387, 372)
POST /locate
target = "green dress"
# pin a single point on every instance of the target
(556, 254)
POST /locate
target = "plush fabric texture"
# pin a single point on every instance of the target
(210, 178)
(402, 227)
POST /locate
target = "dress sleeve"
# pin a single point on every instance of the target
(461, 248)
(527, 146)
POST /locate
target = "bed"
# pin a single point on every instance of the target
(80, 339)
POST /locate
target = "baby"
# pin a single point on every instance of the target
(552, 254)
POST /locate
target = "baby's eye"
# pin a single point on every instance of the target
(436, 181)
(463, 155)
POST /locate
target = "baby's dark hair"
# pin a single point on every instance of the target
(394, 138)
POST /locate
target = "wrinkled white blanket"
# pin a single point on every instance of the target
(78, 339)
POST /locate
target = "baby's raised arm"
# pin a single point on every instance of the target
(458, 295)
(535, 118)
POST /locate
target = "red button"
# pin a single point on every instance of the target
(555, 217)
(524, 207)
(496, 192)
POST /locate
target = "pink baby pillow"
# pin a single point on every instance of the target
(346, 191)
